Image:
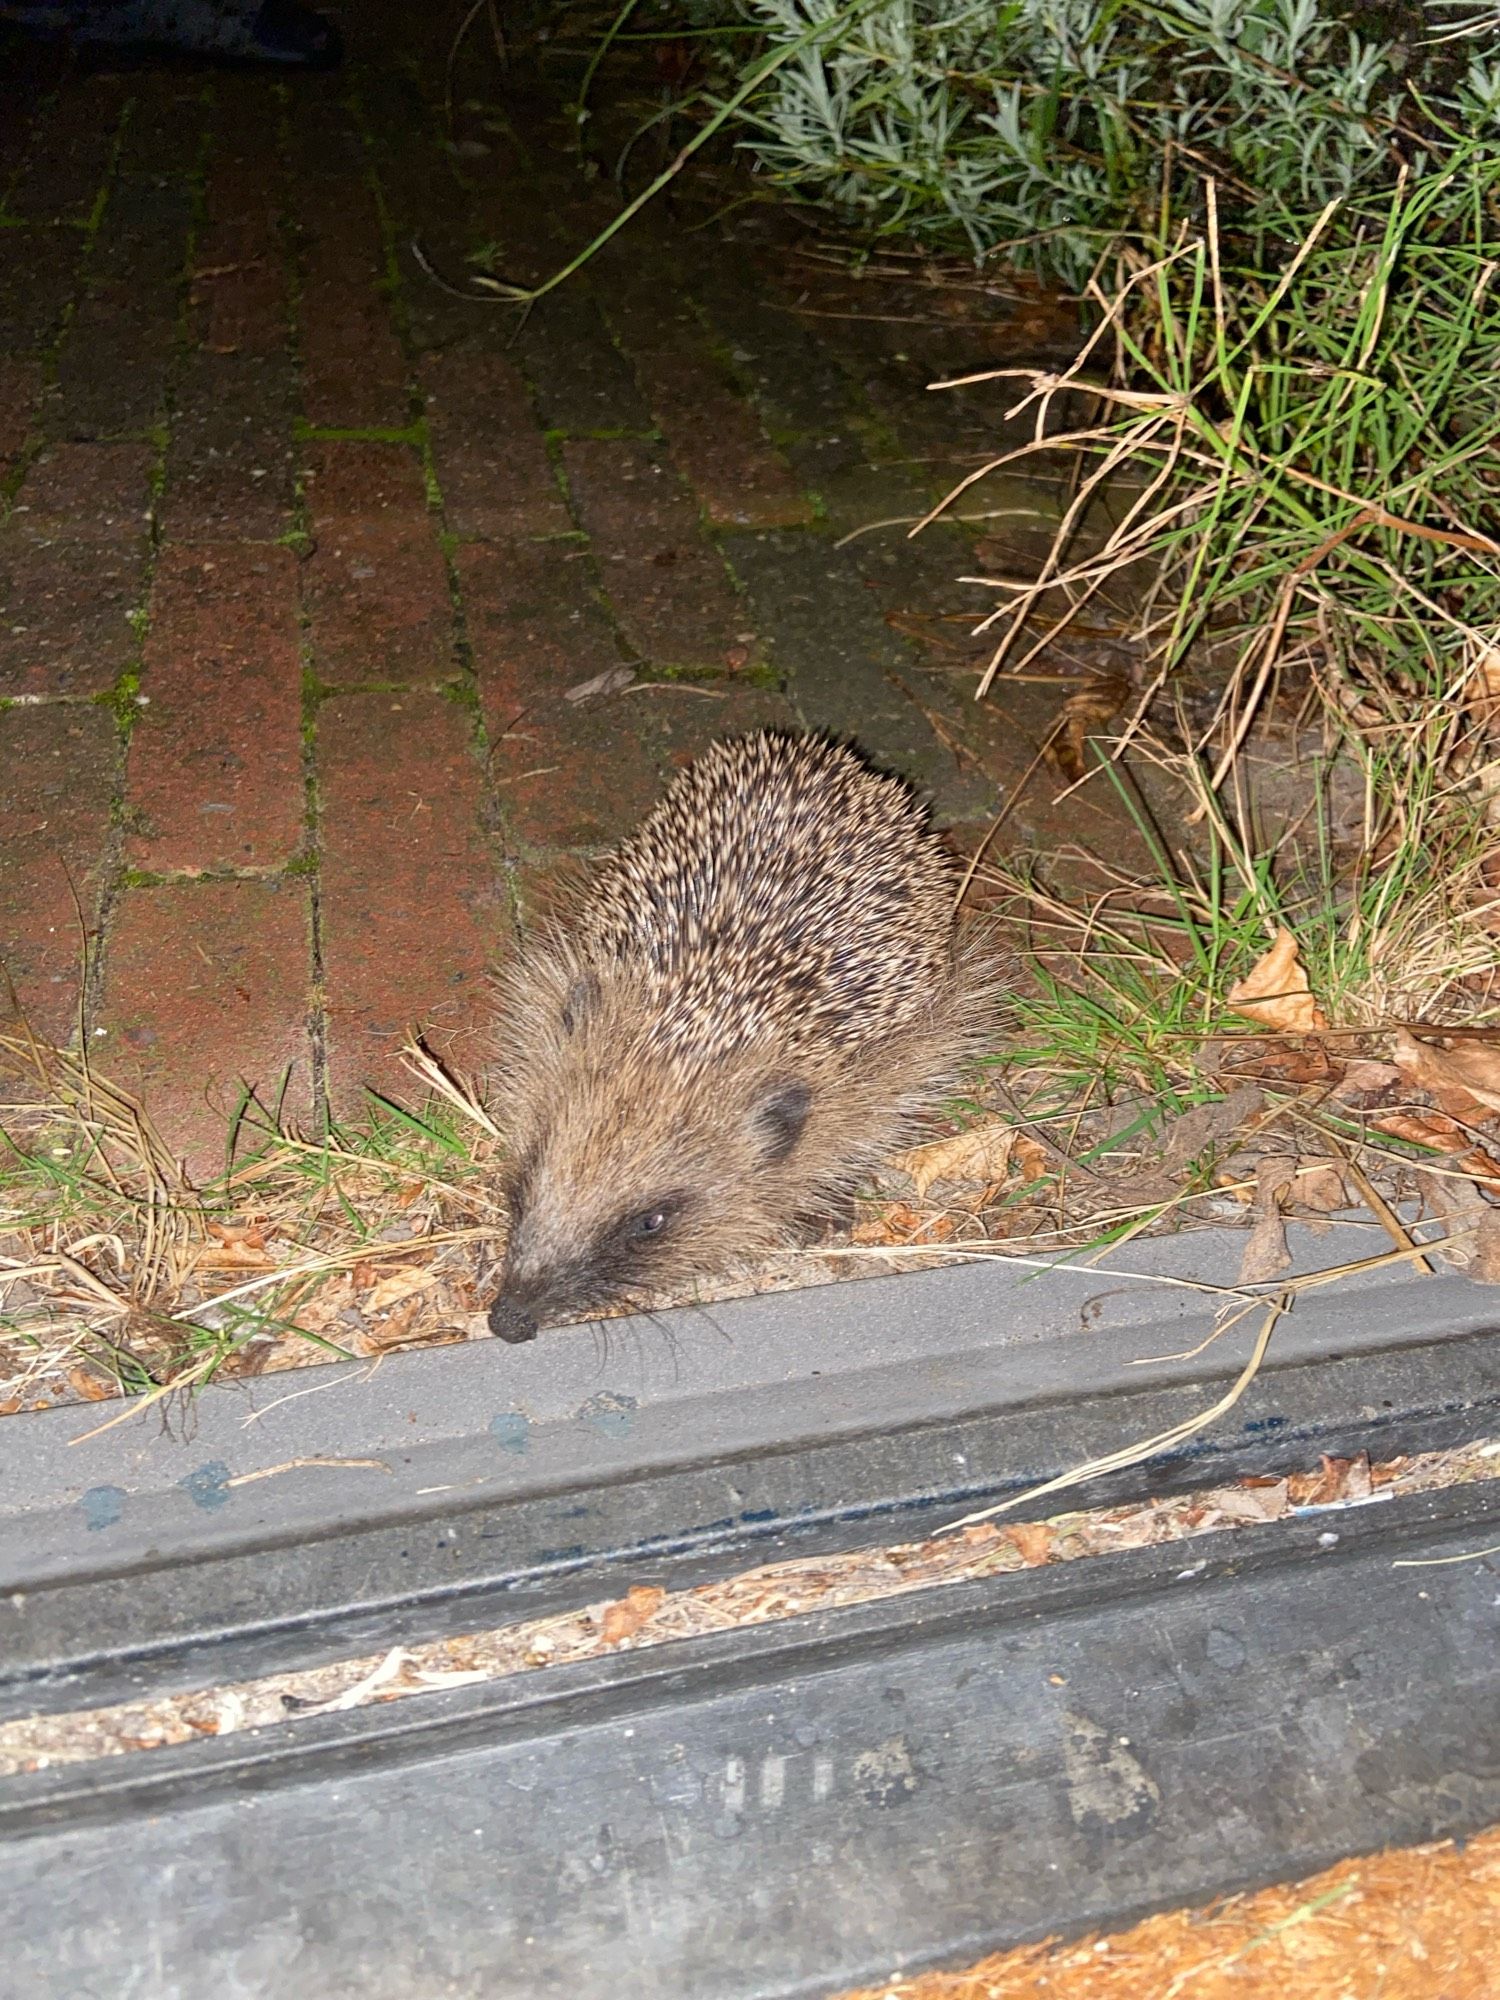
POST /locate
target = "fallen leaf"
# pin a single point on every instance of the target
(625, 1617)
(981, 1153)
(390, 1291)
(1206, 1124)
(1336, 1480)
(1083, 715)
(234, 1233)
(1430, 1128)
(1319, 1184)
(88, 1386)
(1275, 991)
(1485, 1264)
(1465, 1080)
(877, 1235)
(1251, 1503)
(1365, 1076)
(612, 681)
(1265, 1254)
(233, 1256)
(1482, 691)
(397, 1329)
(1031, 1540)
(1032, 1158)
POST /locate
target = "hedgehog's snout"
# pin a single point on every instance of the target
(511, 1321)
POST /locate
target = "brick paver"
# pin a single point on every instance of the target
(229, 469)
(20, 391)
(351, 613)
(378, 607)
(569, 771)
(488, 449)
(66, 606)
(666, 580)
(361, 483)
(92, 489)
(113, 365)
(409, 892)
(207, 989)
(354, 371)
(55, 799)
(215, 771)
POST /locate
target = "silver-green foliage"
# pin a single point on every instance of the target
(1050, 128)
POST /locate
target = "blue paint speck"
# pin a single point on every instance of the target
(613, 1415)
(208, 1487)
(103, 1506)
(510, 1430)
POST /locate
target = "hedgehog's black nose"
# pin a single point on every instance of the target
(511, 1322)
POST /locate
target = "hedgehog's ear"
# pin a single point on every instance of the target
(779, 1117)
(577, 1001)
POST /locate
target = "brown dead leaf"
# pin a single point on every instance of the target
(625, 1617)
(1465, 1079)
(249, 1234)
(1031, 1540)
(1364, 1077)
(1193, 1132)
(90, 1387)
(396, 1286)
(612, 681)
(1265, 1254)
(982, 1154)
(903, 1224)
(1251, 1503)
(1081, 716)
(1485, 1263)
(1482, 693)
(1336, 1480)
(1319, 1185)
(1275, 991)
(1032, 1158)
(232, 1257)
(878, 1234)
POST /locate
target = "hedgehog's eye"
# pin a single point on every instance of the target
(651, 1221)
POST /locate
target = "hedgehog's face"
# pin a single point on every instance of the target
(627, 1182)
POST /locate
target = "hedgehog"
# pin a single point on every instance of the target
(755, 1001)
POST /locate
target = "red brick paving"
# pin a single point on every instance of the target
(378, 607)
(239, 319)
(489, 451)
(65, 608)
(38, 281)
(712, 431)
(409, 892)
(20, 392)
(354, 370)
(230, 461)
(567, 773)
(59, 766)
(665, 579)
(356, 483)
(238, 294)
(214, 779)
(207, 987)
(99, 489)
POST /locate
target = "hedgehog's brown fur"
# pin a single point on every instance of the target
(759, 992)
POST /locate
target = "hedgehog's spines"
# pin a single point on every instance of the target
(778, 931)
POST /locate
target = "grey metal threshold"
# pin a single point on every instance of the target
(774, 1811)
